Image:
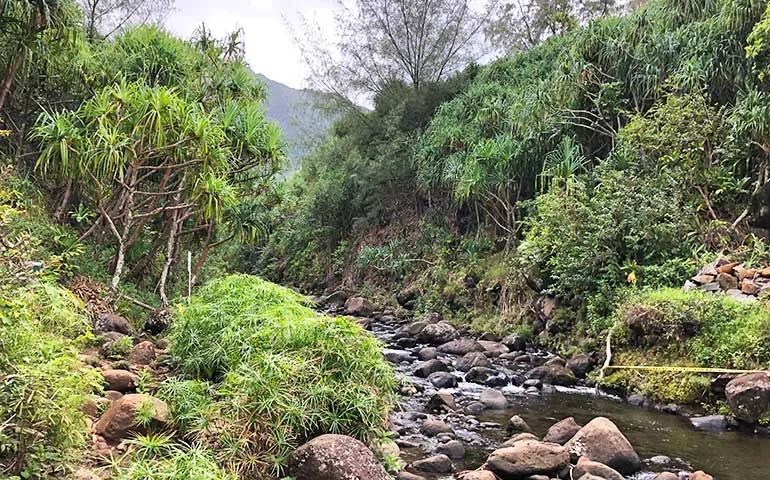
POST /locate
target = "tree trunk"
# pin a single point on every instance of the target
(10, 74)
(204, 254)
(65, 201)
(170, 247)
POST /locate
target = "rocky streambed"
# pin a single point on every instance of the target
(465, 398)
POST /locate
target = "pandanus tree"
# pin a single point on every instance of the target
(158, 165)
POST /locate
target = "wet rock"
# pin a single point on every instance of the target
(601, 441)
(358, 307)
(493, 399)
(120, 380)
(408, 476)
(461, 347)
(396, 356)
(480, 374)
(516, 424)
(520, 437)
(442, 380)
(112, 323)
(476, 475)
(493, 349)
(527, 458)
(471, 360)
(666, 476)
(749, 396)
(334, 457)
(637, 400)
(553, 374)
(562, 431)
(437, 333)
(441, 402)
(427, 353)
(701, 475)
(121, 418)
(558, 361)
(710, 423)
(523, 359)
(533, 382)
(412, 329)
(514, 343)
(453, 449)
(474, 408)
(548, 389)
(580, 365)
(142, 354)
(406, 298)
(436, 464)
(660, 460)
(424, 369)
(433, 427)
(600, 470)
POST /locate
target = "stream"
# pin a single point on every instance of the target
(664, 441)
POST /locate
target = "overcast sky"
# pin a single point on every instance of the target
(269, 46)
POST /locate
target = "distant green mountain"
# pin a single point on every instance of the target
(295, 111)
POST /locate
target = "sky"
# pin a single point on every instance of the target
(269, 46)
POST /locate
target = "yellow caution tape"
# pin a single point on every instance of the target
(680, 369)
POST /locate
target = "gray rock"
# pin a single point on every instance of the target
(452, 449)
(710, 423)
(533, 382)
(427, 353)
(601, 441)
(514, 343)
(359, 307)
(516, 424)
(493, 399)
(749, 396)
(493, 349)
(433, 427)
(461, 347)
(562, 431)
(334, 457)
(580, 365)
(441, 402)
(637, 400)
(480, 374)
(442, 380)
(474, 408)
(435, 464)
(472, 359)
(553, 374)
(599, 470)
(408, 476)
(527, 458)
(437, 333)
(396, 356)
(424, 369)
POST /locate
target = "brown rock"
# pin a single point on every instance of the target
(703, 279)
(527, 458)
(358, 306)
(727, 281)
(561, 432)
(408, 476)
(553, 374)
(520, 437)
(476, 475)
(121, 418)
(701, 475)
(493, 349)
(709, 270)
(112, 323)
(437, 333)
(112, 395)
(765, 272)
(516, 424)
(742, 272)
(749, 287)
(472, 359)
(142, 354)
(601, 441)
(727, 267)
(588, 467)
(441, 402)
(462, 346)
(334, 457)
(580, 365)
(120, 380)
(435, 464)
(749, 396)
(666, 476)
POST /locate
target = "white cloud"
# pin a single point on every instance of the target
(269, 46)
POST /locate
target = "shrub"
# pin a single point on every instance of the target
(268, 373)
(44, 383)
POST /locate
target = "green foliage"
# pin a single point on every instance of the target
(280, 374)
(158, 458)
(119, 349)
(45, 383)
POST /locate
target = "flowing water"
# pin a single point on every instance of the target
(655, 435)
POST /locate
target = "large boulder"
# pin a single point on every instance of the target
(527, 458)
(472, 359)
(120, 380)
(749, 396)
(109, 322)
(554, 374)
(461, 346)
(121, 419)
(601, 441)
(358, 306)
(334, 457)
(580, 365)
(561, 432)
(437, 333)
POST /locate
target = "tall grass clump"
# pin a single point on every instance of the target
(266, 373)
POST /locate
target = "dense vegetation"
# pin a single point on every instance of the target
(614, 158)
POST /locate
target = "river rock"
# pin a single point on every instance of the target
(424, 369)
(452, 449)
(527, 458)
(472, 359)
(142, 354)
(427, 353)
(493, 349)
(520, 437)
(701, 475)
(441, 402)
(437, 333)
(432, 427)
(442, 380)
(580, 365)
(120, 380)
(516, 424)
(334, 457)
(396, 356)
(553, 374)
(532, 382)
(461, 347)
(601, 441)
(710, 423)
(412, 329)
(436, 464)
(358, 307)
(555, 361)
(514, 343)
(666, 476)
(600, 470)
(493, 399)
(121, 418)
(749, 396)
(476, 475)
(562, 431)
(480, 374)
(408, 476)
